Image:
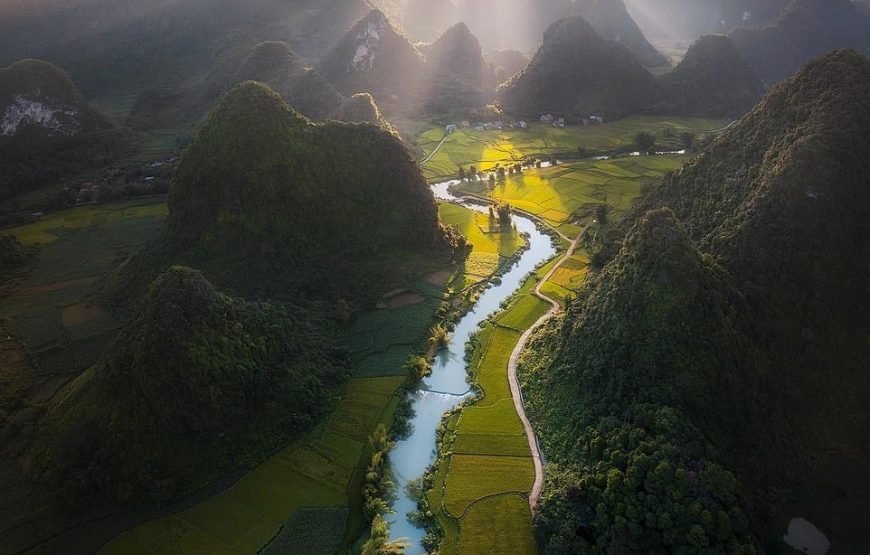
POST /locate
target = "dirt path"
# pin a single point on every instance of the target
(517, 393)
(434, 152)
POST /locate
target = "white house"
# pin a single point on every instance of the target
(596, 118)
(466, 124)
(547, 118)
(523, 125)
(559, 122)
(452, 128)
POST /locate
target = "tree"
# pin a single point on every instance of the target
(602, 211)
(461, 173)
(645, 142)
(378, 544)
(581, 152)
(688, 140)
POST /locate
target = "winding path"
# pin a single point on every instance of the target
(516, 392)
(434, 152)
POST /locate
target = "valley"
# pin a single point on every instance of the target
(385, 277)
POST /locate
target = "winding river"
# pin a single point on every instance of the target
(447, 387)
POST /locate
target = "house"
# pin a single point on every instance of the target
(452, 128)
(559, 122)
(547, 118)
(498, 125)
(466, 124)
(479, 127)
(597, 118)
(523, 125)
(584, 121)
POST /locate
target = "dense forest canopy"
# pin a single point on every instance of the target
(735, 301)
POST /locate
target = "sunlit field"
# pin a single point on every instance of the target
(485, 149)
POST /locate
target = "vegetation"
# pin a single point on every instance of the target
(349, 199)
(482, 150)
(683, 365)
(246, 378)
(578, 73)
(72, 136)
(317, 531)
(713, 79)
(803, 30)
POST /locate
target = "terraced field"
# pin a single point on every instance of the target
(484, 149)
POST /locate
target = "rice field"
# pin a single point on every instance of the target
(566, 196)
(316, 471)
(484, 149)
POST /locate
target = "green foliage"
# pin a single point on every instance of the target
(699, 345)
(196, 384)
(645, 142)
(713, 79)
(34, 155)
(640, 484)
(314, 531)
(576, 73)
(378, 543)
(266, 203)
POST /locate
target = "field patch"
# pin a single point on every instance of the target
(474, 477)
(313, 531)
(82, 313)
(511, 532)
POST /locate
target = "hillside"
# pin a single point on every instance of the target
(611, 20)
(713, 80)
(268, 204)
(507, 63)
(576, 72)
(737, 306)
(13, 256)
(47, 128)
(805, 29)
(196, 385)
(458, 76)
(361, 108)
(375, 57)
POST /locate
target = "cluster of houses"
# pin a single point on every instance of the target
(560, 122)
(548, 119)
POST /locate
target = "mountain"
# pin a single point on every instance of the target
(270, 205)
(270, 62)
(713, 80)
(729, 332)
(690, 19)
(38, 94)
(196, 385)
(425, 20)
(376, 58)
(361, 108)
(805, 29)
(507, 63)
(458, 76)
(47, 129)
(111, 45)
(611, 20)
(576, 72)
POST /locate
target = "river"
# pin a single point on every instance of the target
(448, 386)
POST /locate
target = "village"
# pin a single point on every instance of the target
(557, 122)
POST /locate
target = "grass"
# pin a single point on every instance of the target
(474, 477)
(314, 531)
(316, 471)
(487, 148)
(566, 196)
(321, 474)
(511, 532)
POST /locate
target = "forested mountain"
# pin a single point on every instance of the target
(805, 29)
(361, 108)
(196, 385)
(507, 63)
(576, 72)
(712, 80)
(112, 44)
(270, 205)
(458, 76)
(728, 332)
(47, 128)
(375, 57)
(611, 20)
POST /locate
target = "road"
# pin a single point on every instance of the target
(517, 393)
